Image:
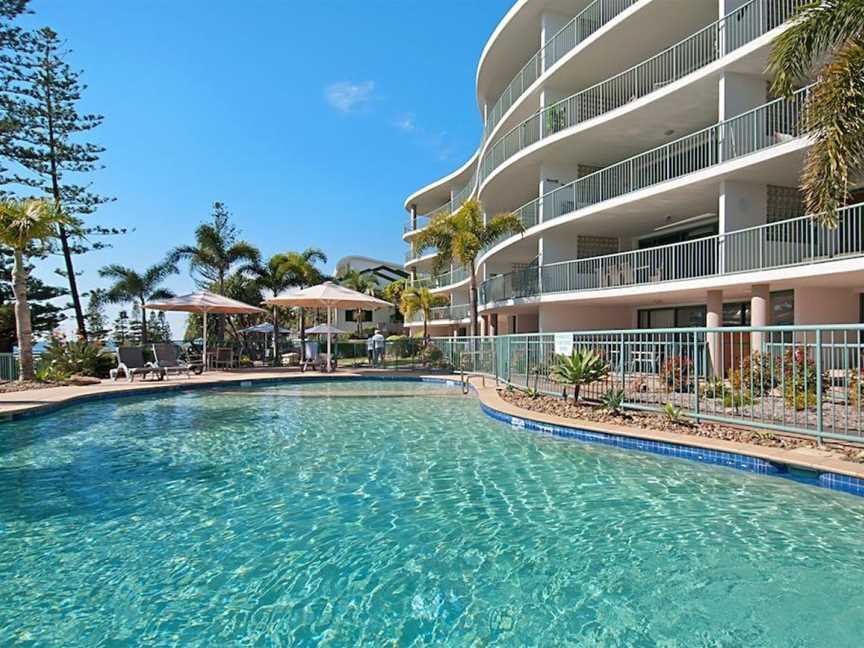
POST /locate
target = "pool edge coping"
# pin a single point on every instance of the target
(833, 474)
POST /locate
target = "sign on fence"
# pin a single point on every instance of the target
(564, 344)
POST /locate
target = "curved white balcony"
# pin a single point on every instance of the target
(443, 315)
(775, 123)
(586, 22)
(414, 258)
(454, 277)
(413, 227)
(780, 245)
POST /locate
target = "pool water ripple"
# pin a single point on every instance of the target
(260, 518)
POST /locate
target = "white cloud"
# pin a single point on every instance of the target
(346, 96)
(405, 123)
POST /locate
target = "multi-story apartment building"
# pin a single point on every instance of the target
(655, 174)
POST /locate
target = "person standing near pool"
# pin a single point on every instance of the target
(377, 348)
(370, 350)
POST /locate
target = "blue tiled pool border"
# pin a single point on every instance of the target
(832, 481)
(829, 480)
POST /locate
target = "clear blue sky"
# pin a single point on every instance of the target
(312, 121)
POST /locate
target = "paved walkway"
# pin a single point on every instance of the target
(52, 397)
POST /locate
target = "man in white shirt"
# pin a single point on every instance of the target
(378, 343)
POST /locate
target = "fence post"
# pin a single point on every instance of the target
(623, 369)
(696, 370)
(819, 385)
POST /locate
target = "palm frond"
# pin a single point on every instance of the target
(161, 293)
(242, 251)
(835, 121)
(500, 226)
(820, 27)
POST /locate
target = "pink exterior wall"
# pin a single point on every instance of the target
(585, 317)
(818, 305)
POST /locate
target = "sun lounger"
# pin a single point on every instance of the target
(130, 362)
(224, 358)
(166, 358)
(315, 359)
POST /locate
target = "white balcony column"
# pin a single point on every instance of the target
(741, 205)
(724, 8)
(553, 176)
(714, 319)
(760, 315)
(550, 24)
(738, 93)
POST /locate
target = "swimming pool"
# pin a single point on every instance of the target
(397, 513)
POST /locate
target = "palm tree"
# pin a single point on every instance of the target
(826, 41)
(461, 236)
(23, 225)
(420, 300)
(392, 292)
(363, 282)
(275, 276)
(131, 287)
(215, 253)
(304, 273)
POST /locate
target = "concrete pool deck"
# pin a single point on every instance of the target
(24, 403)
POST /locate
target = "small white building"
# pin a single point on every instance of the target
(384, 272)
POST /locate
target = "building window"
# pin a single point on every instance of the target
(681, 317)
(783, 308)
(349, 316)
(736, 314)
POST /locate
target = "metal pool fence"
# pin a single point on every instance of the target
(8, 367)
(800, 379)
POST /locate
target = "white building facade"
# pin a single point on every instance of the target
(654, 173)
(384, 273)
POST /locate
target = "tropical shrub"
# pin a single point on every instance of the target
(855, 386)
(400, 346)
(801, 379)
(677, 373)
(613, 401)
(582, 367)
(62, 359)
(674, 414)
(736, 399)
(757, 372)
(432, 356)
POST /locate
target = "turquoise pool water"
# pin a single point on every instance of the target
(397, 514)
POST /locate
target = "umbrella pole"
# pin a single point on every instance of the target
(329, 345)
(205, 341)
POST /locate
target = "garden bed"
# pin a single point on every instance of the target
(15, 386)
(585, 411)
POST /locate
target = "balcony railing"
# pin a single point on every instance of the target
(445, 313)
(413, 255)
(734, 30)
(776, 122)
(424, 219)
(588, 21)
(444, 279)
(798, 241)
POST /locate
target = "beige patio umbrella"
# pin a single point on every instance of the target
(205, 303)
(328, 295)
